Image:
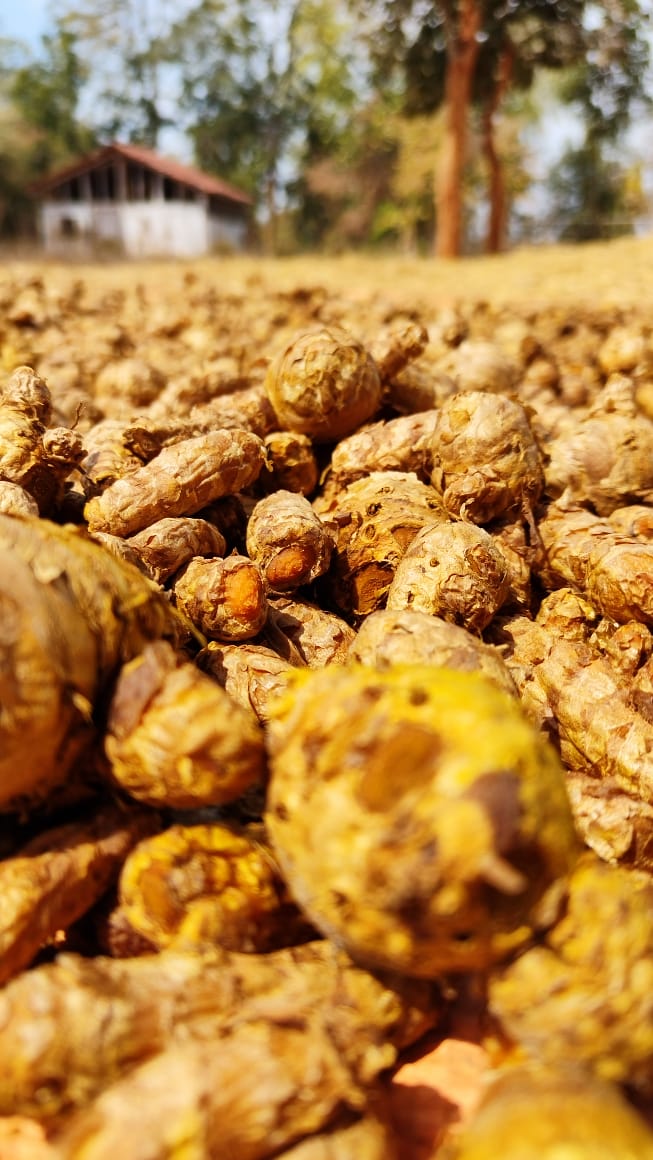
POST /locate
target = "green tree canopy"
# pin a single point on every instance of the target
(132, 81)
(592, 187)
(46, 93)
(264, 91)
(39, 122)
(611, 78)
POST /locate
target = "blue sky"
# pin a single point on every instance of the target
(24, 19)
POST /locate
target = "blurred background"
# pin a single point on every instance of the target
(398, 125)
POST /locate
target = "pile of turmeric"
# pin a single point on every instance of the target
(326, 699)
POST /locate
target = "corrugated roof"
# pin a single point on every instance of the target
(187, 174)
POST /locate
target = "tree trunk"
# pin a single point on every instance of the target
(496, 177)
(462, 54)
(270, 228)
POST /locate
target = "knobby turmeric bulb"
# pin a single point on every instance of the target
(324, 384)
(439, 813)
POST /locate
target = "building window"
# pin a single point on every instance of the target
(102, 184)
(170, 189)
(68, 228)
(139, 183)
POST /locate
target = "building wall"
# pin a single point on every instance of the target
(138, 229)
(152, 228)
(66, 227)
(228, 233)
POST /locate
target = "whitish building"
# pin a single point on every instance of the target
(125, 199)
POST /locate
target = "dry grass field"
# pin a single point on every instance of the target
(618, 273)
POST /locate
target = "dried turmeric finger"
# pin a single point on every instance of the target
(179, 481)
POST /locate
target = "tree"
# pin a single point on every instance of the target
(589, 196)
(332, 74)
(593, 191)
(46, 93)
(458, 52)
(531, 36)
(128, 42)
(454, 53)
(408, 211)
(40, 125)
(15, 217)
(238, 88)
(436, 47)
(611, 78)
(462, 28)
(352, 181)
(263, 91)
